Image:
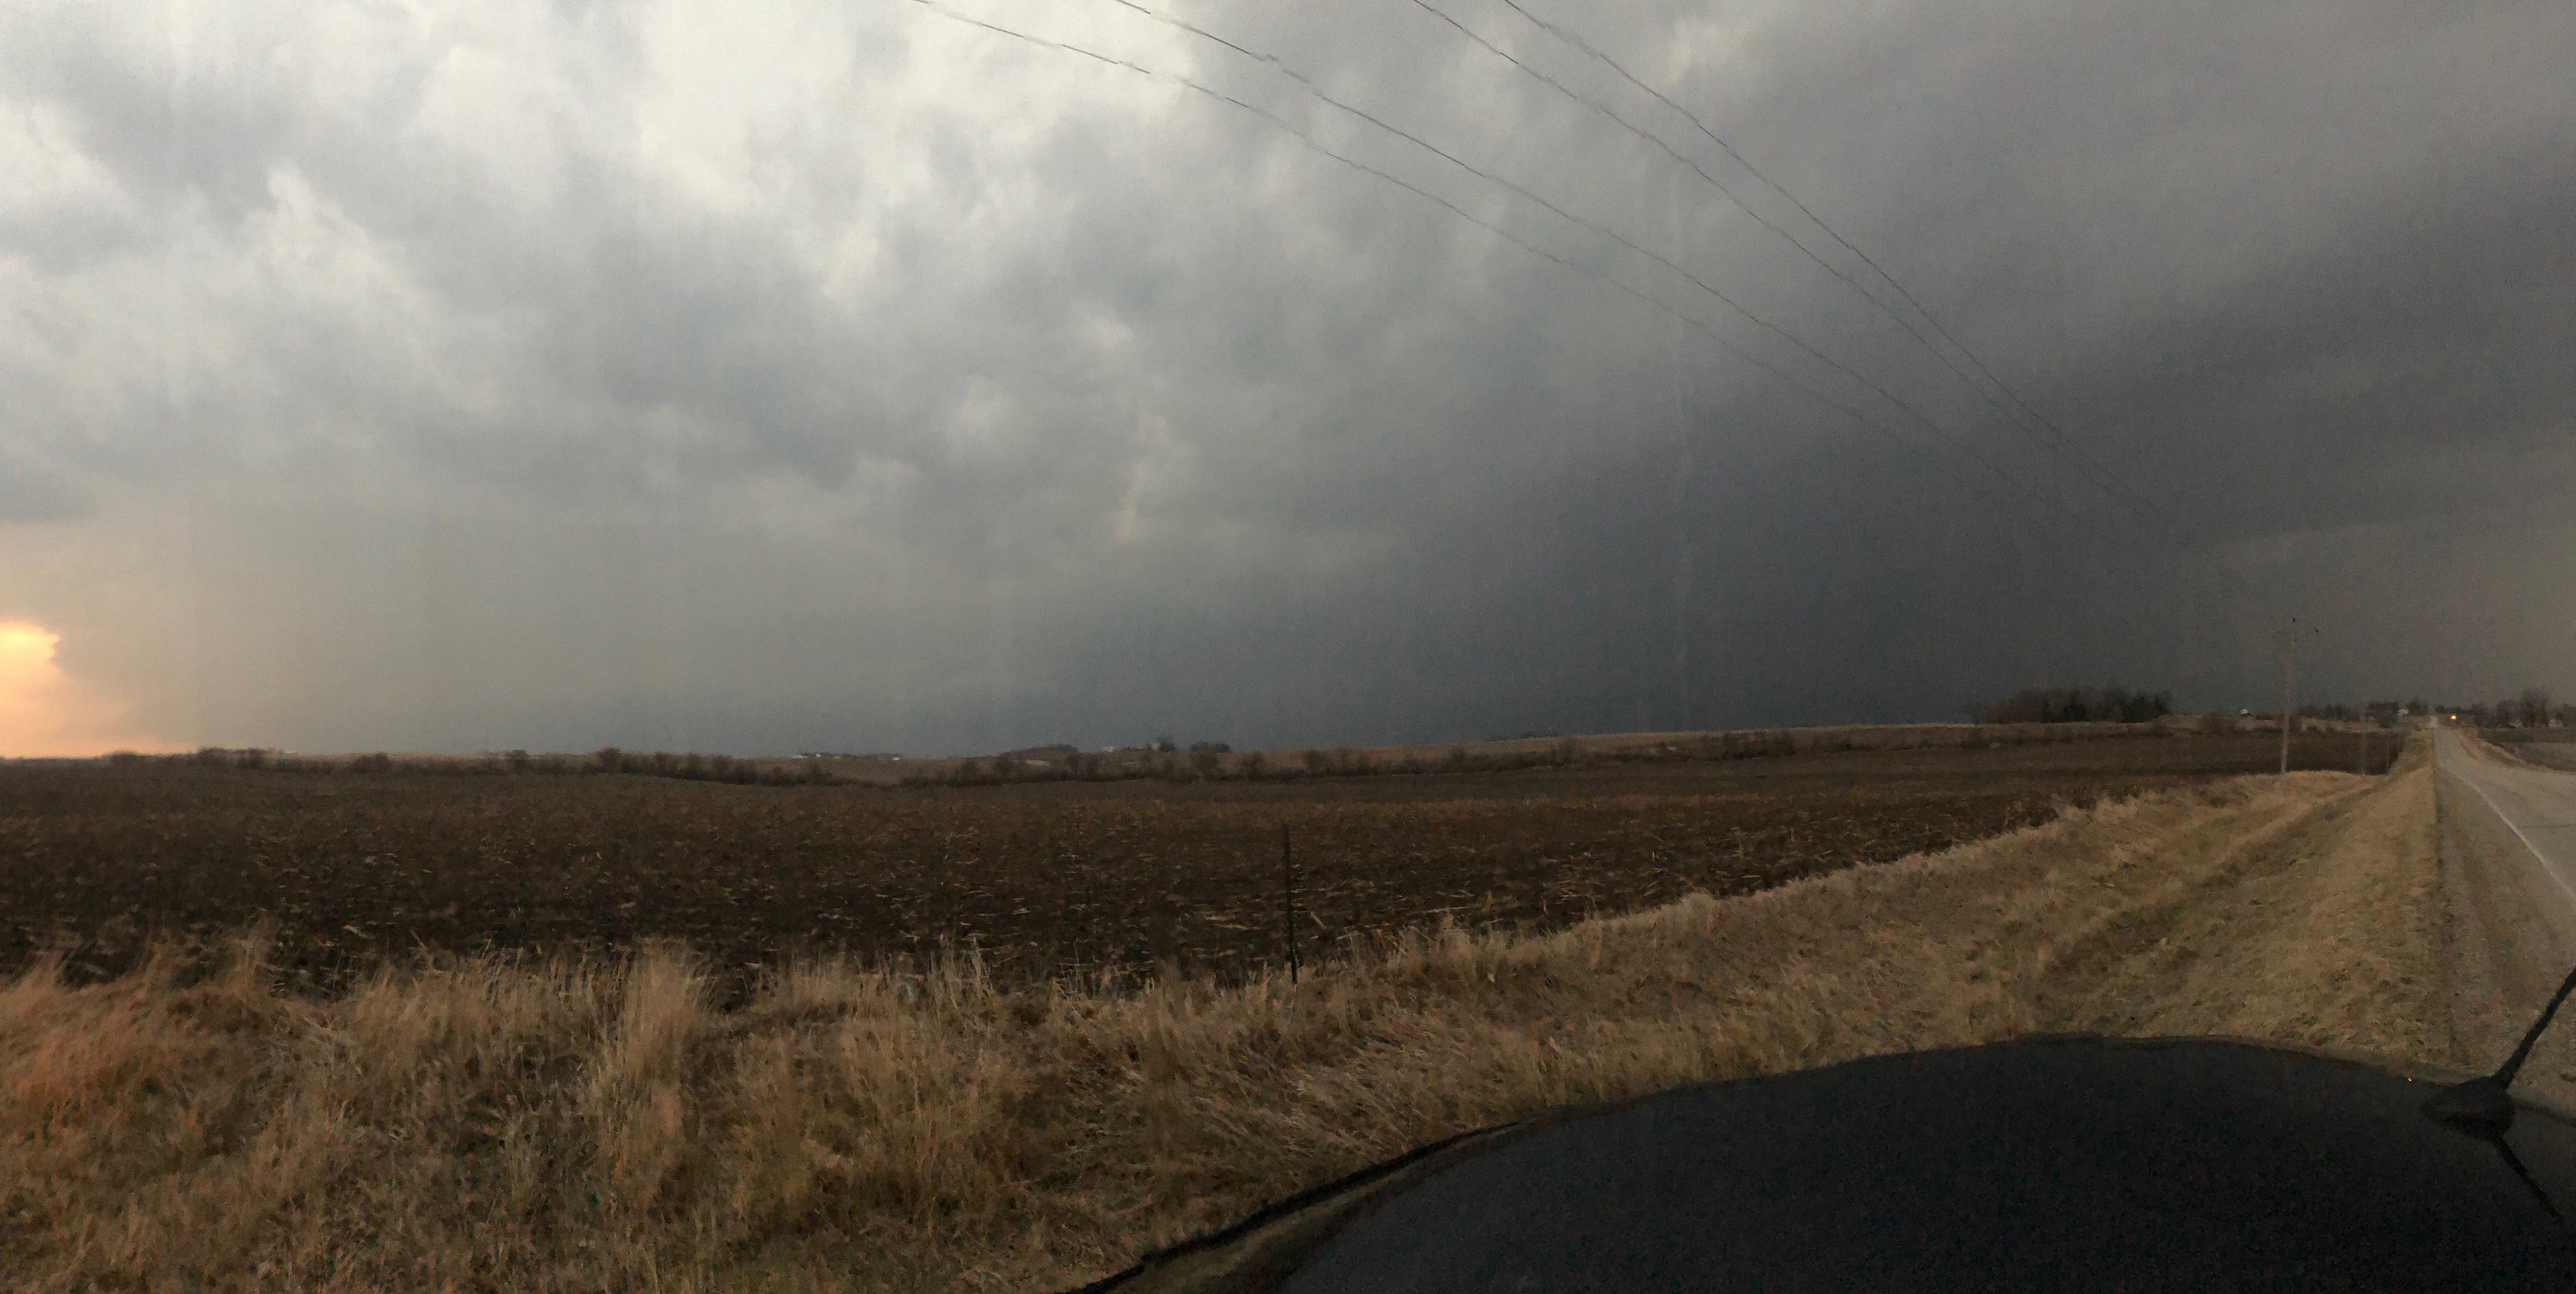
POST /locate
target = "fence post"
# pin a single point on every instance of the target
(1288, 889)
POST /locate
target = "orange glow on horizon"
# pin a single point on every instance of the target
(47, 714)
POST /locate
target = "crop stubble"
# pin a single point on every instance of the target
(350, 869)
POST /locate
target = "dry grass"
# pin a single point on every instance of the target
(2334, 942)
(498, 1125)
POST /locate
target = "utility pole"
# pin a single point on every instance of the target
(2288, 640)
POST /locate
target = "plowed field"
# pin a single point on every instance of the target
(351, 868)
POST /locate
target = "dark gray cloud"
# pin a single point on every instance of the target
(718, 376)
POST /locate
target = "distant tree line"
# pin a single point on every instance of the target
(607, 759)
(2383, 713)
(1167, 760)
(1212, 762)
(2535, 708)
(2077, 705)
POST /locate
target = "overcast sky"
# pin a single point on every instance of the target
(767, 377)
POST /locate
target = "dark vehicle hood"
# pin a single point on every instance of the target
(2048, 1163)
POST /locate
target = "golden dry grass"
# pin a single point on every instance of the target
(491, 1125)
(2335, 943)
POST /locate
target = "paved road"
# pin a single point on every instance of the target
(2508, 841)
(2538, 805)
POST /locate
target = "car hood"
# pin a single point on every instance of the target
(2043, 1163)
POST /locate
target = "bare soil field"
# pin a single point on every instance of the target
(1037, 877)
(350, 869)
(560, 1125)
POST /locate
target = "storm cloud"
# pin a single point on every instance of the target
(766, 377)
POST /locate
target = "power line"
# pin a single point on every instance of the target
(2110, 486)
(1576, 41)
(1309, 85)
(1666, 308)
(2113, 485)
(2157, 515)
